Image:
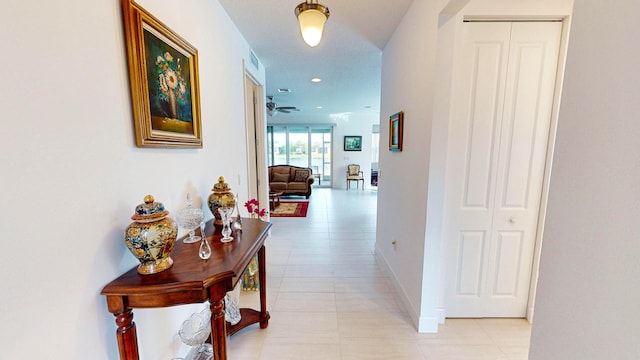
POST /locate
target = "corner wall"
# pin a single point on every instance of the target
(588, 289)
(411, 183)
(72, 174)
(408, 84)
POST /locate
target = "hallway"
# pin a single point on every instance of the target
(329, 299)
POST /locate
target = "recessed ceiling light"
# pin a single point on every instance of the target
(318, 107)
(284, 90)
(316, 80)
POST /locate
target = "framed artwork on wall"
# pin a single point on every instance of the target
(352, 143)
(163, 79)
(395, 131)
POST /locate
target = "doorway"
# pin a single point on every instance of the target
(255, 129)
(375, 154)
(498, 136)
(302, 145)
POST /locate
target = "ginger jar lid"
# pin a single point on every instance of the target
(149, 211)
(221, 185)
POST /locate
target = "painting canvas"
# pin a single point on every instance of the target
(168, 78)
(353, 143)
(163, 77)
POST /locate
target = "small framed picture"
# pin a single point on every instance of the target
(395, 131)
(353, 143)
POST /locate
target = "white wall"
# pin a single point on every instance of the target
(411, 183)
(72, 175)
(588, 290)
(359, 125)
(408, 73)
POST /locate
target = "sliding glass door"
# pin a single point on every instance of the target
(321, 155)
(304, 146)
(298, 146)
(277, 145)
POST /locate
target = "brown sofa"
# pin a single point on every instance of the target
(291, 180)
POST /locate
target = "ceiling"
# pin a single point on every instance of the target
(348, 59)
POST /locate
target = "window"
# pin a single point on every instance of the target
(302, 145)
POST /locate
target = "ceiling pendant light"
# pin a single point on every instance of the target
(312, 17)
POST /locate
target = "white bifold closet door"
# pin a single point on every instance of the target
(502, 102)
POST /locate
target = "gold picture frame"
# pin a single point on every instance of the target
(395, 131)
(163, 79)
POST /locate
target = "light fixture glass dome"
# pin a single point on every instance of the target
(312, 17)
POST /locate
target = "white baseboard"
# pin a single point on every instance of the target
(530, 314)
(422, 324)
(441, 315)
(428, 325)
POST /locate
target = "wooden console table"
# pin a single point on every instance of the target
(193, 280)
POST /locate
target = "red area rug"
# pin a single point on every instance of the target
(291, 209)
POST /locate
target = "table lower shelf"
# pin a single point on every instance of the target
(249, 317)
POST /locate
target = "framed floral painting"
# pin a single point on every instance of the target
(163, 78)
(395, 131)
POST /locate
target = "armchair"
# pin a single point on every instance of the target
(354, 174)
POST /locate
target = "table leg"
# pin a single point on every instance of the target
(262, 278)
(253, 316)
(127, 336)
(218, 329)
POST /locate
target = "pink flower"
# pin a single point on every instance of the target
(253, 207)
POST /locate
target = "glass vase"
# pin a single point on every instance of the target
(194, 332)
(189, 218)
(205, 249)
(237, 224)
(225, 214)
(232, 305)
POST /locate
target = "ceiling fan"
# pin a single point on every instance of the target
(273, 108)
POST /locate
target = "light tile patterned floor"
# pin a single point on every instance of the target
(329, 300)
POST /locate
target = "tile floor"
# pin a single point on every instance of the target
(329, 299)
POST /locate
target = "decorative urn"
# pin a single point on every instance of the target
(151, 236)
(221, 197)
